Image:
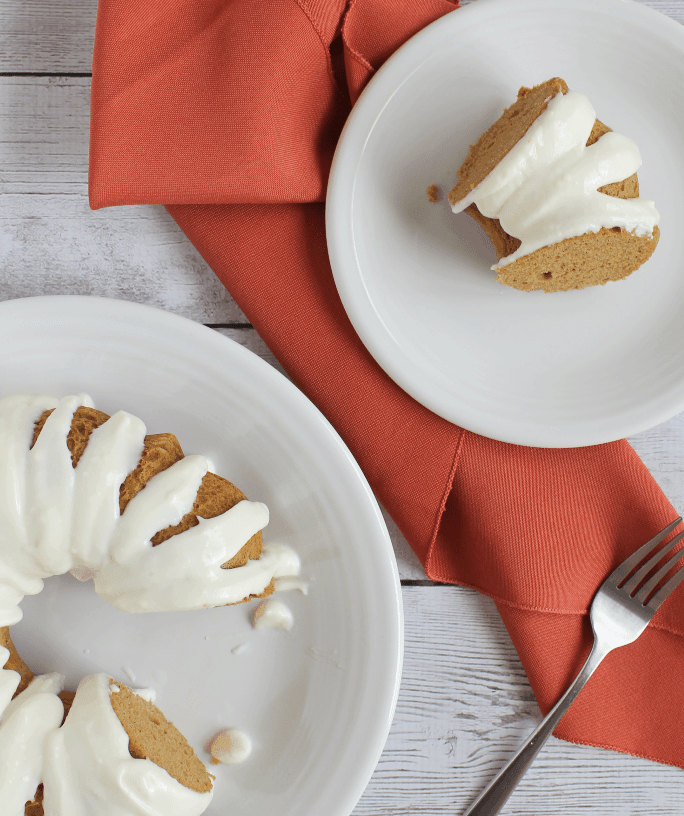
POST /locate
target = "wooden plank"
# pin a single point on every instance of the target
(57, 37)
(662, 451)
(52, 243)
(465, 706)
(47, 36)
(44, 134)
(670, 8)
(55, 245)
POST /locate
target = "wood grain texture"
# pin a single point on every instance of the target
(54, 37)
(45, 133)
(465, 706)
(51, 242)
(55, 244)
(465, 703)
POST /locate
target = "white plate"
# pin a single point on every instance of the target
(561, 370)
(317, 701)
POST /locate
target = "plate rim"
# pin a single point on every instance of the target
(349, 279)
(351, 787)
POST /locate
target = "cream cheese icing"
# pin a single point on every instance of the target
(272, 614)
(546, 188)
(55, 518)
(89, 770)
(25, 723)
(85, 764)
(289, 582)
(230, 746)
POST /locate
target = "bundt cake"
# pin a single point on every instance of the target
(96, 495)
(557, 193)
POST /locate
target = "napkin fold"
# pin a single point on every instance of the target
(228, 112)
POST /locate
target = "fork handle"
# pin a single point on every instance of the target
(494, 797)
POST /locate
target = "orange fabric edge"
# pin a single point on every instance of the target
(442, 504)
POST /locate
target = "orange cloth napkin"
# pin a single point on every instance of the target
(228, 112)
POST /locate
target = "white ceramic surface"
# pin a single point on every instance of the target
(560, 370)
(317, 701)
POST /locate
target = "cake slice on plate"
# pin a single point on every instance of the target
(556, 191)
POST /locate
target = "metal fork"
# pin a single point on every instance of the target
(620, 612)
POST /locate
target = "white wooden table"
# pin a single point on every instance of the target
(465, 703)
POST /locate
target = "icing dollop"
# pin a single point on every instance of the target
(272, 614)
(230, 746)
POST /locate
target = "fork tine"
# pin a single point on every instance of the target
(628, 565)
(640, 574)
(667, 588)
(655, 579)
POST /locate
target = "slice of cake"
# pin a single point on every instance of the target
(117, 750)
(557, 193)
(106, 746)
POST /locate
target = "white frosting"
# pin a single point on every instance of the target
(546, 188)
(230, 746)
(148, 694)
(55, 518)
(25, 723)
(89, 770)
(289, 582)
(288, 561)
(9, 681)
(85, 764)
(272, 614)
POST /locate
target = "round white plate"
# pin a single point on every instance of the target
(559, 370)
(317, 701)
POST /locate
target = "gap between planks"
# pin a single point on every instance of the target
(57, 35)
(464, 707)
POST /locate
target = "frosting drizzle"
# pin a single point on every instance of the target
(546, 187)
(55, 518)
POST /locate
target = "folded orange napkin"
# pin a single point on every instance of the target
(228, 112)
